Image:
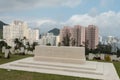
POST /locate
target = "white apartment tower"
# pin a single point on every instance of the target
(19, 29)
(49, 38)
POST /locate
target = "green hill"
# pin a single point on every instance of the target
(1, 28)
(55, 31)
(1, 33)
(1, 24)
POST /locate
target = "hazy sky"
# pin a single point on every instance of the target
(48, 14)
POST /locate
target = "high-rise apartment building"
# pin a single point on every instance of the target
(78, 35)
(91, 36)
(48, 38)
(33, 35)
(66, 31)
(81, 35)
(19, 29)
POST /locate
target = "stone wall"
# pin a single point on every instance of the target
(60, 54)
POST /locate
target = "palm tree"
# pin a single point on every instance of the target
(18, 44)
(16, 41)
(4, 44)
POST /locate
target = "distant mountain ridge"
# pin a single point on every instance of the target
(55, 31)
(1, 28)
(2, 24)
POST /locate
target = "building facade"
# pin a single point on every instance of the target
(19, 29)
(33, 35)
(58, 40)
(64, 32)
(79, 35)
(91, 36)
(48, 39)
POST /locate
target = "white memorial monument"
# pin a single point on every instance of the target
(75, 55)
(69, 61)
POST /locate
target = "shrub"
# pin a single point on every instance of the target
(107, 58)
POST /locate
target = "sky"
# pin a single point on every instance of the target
(48, 14)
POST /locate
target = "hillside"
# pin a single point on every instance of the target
(1, 33)
(1, 28)
(1, 24)
(55, 31)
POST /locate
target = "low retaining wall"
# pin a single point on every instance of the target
(60, 54)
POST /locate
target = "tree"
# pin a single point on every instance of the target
(16, 41)
(34, 44)
(118, 52)
(72, 41)
(102, 48)
(108, 49)
(86, 47)
(77, 44)
(107, 58)
(59, 44)
(28, 46)
(24, 38)
(3, 43)
(18, 44)
(66, 40)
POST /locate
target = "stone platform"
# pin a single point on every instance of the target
(90, 69)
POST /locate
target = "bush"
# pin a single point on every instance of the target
(107, 58)
(48, 44)
(96, 58)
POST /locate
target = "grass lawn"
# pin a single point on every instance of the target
(23, 75)
(12, 58)
(117, 66)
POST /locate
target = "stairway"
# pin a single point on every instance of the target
(90, 69)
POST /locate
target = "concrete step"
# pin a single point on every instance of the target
(87, 65)
(98, 70)
(58, 65)
(91, 69)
